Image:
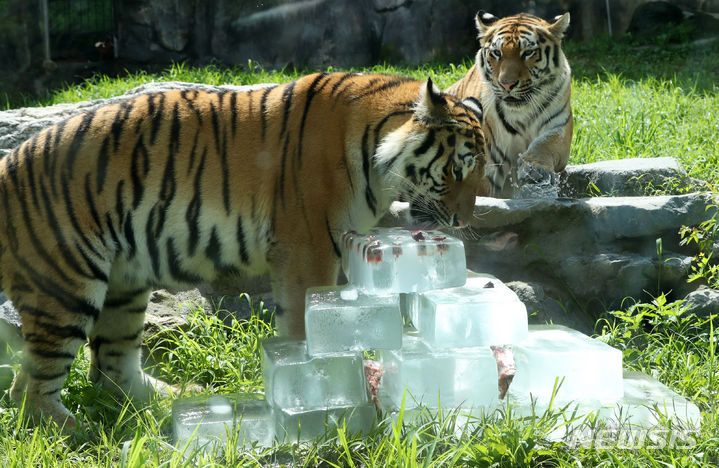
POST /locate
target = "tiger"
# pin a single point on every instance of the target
(181, 187)
(522, 81)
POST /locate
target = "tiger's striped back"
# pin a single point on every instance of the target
(522, 80)
(181, 187)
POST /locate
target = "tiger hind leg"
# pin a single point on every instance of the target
(54, 327)
(115, 347)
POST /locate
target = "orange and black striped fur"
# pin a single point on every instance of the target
(172, 189)
(523, 82)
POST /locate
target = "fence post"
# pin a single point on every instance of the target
(45, 30)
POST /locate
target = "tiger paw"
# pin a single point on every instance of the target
(27, 394)
(530, 173)
(188, 388)
(536, 181)
(147, 387)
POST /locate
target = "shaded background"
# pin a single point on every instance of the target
(44, 43)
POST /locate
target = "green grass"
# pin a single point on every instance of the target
(633, 101)
(629, 101)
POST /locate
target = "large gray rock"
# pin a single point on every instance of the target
(581, 257)
(314, 33)
(169, 310)
(703, 302)
(589, 254)
(291, 33)
(541, 308)
(17, 125)
(238, 297)
(625, 177)
(653, 17)
(308, 33)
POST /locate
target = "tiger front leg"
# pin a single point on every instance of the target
(548, 154)
(539, 165)
(115, 346)
(294, 269)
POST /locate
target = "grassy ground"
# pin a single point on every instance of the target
(629, 101)
(656, 338)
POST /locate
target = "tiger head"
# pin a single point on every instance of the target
(436, 160)
(519, 55)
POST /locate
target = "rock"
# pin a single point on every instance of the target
(703, 302)
(581, 257)
(9, 324)
(543, 309)
(17, 125)
(173, 22)
(654, 17)
(530, 293)
(450, 24)
(286, 33)
(588, 254)
(168, 311)
(625, 177)
(9, 335)
(237, 297)
(301, 34)
(590, 220)
(702, 25)
(620, 275)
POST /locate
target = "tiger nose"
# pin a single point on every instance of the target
(456, 222)
(509, 85)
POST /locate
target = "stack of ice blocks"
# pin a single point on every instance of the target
(433, 326)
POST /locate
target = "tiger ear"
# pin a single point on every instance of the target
(560, 25)
(431, 107)
(484, 20)
(474, 105)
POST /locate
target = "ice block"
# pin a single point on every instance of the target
(295, 380)
(435, 378)
(206, 421)
(591, 369)
(337, 321)
(299, 426)
(647, 401)
(393, 260)
(483, 312)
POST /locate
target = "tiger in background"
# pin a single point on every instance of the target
(176, 188)
(522, 81)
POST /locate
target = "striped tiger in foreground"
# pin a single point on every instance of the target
(523, 82)
(176, 188)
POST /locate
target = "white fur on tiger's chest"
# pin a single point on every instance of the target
(518, 130)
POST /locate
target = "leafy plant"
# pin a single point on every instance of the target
(662, 339)
(213, 352)
(704, 236)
